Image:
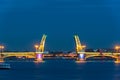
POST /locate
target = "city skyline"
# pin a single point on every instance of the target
(22, 23)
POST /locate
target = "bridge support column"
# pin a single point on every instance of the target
(81, 57)
(118, 59)
(39, 57)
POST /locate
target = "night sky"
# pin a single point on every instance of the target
(23, 22)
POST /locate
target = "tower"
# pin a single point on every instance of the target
(40, 49)
(79, 48)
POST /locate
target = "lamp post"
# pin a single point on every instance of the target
(1, 50)
(36, 48)
(84, 46)
(117, 48)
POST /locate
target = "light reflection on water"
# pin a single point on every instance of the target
(61, 70)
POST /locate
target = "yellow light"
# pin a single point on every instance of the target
(84, 46)
(117, 47)
(2, 47)
(36, 46)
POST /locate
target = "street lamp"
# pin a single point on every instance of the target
(36, 47)
(1, 50)
(84, 46)
(117, 48)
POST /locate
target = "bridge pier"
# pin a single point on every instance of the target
(117, 59)
(81, 57)
(39, 57)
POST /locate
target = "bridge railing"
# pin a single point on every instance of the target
(28, 54)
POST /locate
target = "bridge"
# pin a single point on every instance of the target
(80, 54)
(71, 55)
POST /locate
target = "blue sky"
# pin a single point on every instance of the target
(22, 23)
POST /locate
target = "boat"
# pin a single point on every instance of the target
(4, 66)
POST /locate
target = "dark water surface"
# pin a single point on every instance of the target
(61, 70)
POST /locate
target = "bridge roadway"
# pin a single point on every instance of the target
(71, 55)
